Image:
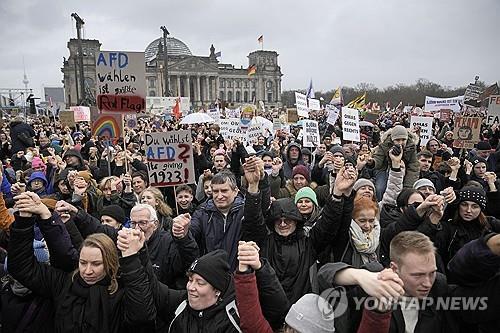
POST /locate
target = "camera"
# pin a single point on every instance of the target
(396, 150)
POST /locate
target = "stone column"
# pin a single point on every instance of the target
(208, 98)
(234, 91)
(216, 79)
(187, 89)
(197, 89)
(178, 85)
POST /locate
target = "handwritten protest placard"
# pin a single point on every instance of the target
(314, 104)
(333, 114)
(350, 124)
(253, 133)
(121, 81)
(466, 132)
(425, 124)
(301, 103)
(292, 116)
(81, 113)
(169, 157)
(493, 110)
(230, 128)
(310, 133)
(67, 118)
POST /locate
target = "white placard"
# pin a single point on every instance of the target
(81, 113)
(493, 110)
(121, 81)
(333, 114)
(425, 124)
(215, 114)
(350, 124)
(301, 103)
(314, 104)
(169, 158)
(232, 113)
(434, 104)
(310, 133)
(230, 128)
(253, 133)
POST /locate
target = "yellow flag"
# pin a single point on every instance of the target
(358, 103)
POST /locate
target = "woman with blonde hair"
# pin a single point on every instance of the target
(116, 191)
(153, 197)
(93, 298)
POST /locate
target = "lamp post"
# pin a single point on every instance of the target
(165, 59)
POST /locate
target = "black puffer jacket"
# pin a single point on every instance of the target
(291, 256)
(17, 128)
(80, 307)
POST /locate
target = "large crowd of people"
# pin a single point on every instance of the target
(381, 235)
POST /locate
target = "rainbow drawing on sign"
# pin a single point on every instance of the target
(107, 126)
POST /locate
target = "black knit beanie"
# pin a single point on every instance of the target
(115, 212)
(214, 268)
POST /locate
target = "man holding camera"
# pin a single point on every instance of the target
(394, 141)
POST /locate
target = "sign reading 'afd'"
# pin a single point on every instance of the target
(121, 82)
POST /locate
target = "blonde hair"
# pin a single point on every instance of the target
(161, 206)
(105, 181)
(410, 242)
(109, 257)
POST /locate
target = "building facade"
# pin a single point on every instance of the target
(201, 78)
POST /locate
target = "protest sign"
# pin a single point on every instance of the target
(121, 82)
(445, 115)
(311, 133)
(493, 110)
(247, 114)
(425, 124)
(253, 133)
(131, 120)
(466, 132)
(434, 104)
(108, 126)
(472, 95)
(169, 158)
(314, 104)
(292, 116)
(261, 106)
(81, 113)
(333, 114)
(350, 124)
(301, 104)
(214, 114)
(164, 105)
(230, 128)
(67, 118)
(276, 124)
(232, 113)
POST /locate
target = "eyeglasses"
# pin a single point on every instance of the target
(141, 223)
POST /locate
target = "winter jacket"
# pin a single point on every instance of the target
(381, 157)
(170, 256)
(293, 256)
(17, 131)
(212, 230)
(6, 218)
(39, 175)
(80, 307)
(287, 164)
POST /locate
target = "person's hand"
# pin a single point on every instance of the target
(454, 164)
(79, 186)
(248, 256)
(61, 164)
(93, 151)
(384, 304)
(29, 202)
(51, 151)
(383, 285)
(72, 175)
(468, 167)
(63, 207)
(395, 158)
(252, 169)
(327, 157)
(344, 181)
(449, 194)
(18, 188)
(277, 165)
(228, 143)
(197, 148)
(127, 181)
(130, 241)
(361, 162)
(52, 161)
(429, 202)
(490, 177)
(180, 225)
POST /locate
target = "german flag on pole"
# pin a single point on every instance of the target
(357, 103)
(251, 70)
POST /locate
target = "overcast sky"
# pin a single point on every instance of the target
(334, 42)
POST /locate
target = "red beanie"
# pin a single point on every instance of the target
(301, 170)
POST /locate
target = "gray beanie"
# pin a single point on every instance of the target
(423, 182)
(337, 149)
(399, 132)
(363, 182)
(310, 314)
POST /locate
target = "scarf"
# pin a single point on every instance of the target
(365, 244)
(87, 304)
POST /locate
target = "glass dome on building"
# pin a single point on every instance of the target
(175, 47)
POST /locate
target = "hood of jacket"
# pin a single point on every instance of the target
(290, 145)
(284, 207)
(387, 139)
(76, 153)
(38, 175)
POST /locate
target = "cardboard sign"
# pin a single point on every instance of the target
(230, 129)
(67, 118)
(310, 133)
(169, 157)
(445, 115)
(121, 81)
(108, 126)
(301, 104)
(350, 124)
(434, 104)
(493, 110)
(333, 114)
(425, 124)
(314, 104)
(81, 113)
(247, 114)
(466, 132)
(292, 116)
